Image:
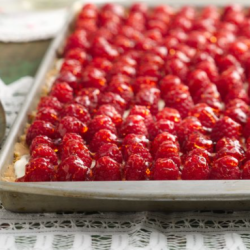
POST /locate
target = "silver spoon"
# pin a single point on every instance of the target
(2, 122)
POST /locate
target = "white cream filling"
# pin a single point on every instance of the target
(20, 166)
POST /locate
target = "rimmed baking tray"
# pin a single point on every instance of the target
(110, 196)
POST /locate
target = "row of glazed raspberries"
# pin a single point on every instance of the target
(147, 94)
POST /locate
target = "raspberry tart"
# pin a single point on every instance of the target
(145, 94)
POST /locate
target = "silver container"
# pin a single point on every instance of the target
(116, 195)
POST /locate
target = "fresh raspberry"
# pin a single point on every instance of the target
(145, 44)
(209, 90)
(92, 93)
(165, 169)
(123, 90)
(137, 148)
(246, 170)
(205, 114)
(246, 130)
(135, 168)
(225, 168)
(48, 115)
(149, 70)
(201, 56)
(106, 169)
(40, 128)
(237, 115)
(197, 140)
(77, 54)
(72, 66)
(78, 39)
(213, 102)
(101, 137)
(169, 114)
(134, 124)
(238, 49)
(197, 79)
(78, 111)
(71, 136)
(134, 138)
(210, 68)
(70, 124)
(50, 102)
(139, 7)
(169, 150)
(102, 48)
(88, 11)
(115, 100)
(237, 93)
(177, 54)
(226, 127)
(238, 103)
(144, 112)
(111, 150)
(148, 97)
(40, 140)
(120, 68)
(100, 122)
(44, 151)
(160, 138)
(227, 61)
(39, 169)
(176, 67)
(63, 92)
(102, 64)
(195, 168)
(144, 81)
(89, 25)
(69, 78)
(121, 79)
(161, 126)
(180, 101)
(231, 150)
(229, 79)
(151, 58)
(85, 102)
(115, 9)
(111, 112)
(197, 151)
(77, 148)
(188, 126)
(93, 78)
(168, 83)
(72, 168)
(127, 60)
(225, 142)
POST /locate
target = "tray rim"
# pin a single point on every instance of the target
(122, 190)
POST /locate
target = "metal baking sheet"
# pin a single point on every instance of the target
(116, 195)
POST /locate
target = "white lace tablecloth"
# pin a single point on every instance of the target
(116, 231)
